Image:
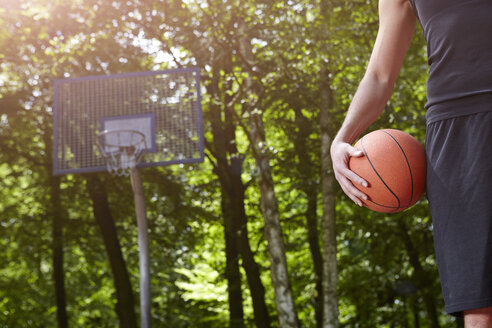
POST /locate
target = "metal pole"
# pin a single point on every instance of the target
(143, 248)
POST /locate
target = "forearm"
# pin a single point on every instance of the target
(396, 26)
(368, 103)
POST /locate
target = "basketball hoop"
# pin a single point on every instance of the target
(122, 150)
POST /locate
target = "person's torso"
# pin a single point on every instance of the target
(459, 42)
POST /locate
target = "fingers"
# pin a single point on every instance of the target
(347, 179)
(353, 193)
(352, 176)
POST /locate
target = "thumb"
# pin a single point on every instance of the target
(354, 152)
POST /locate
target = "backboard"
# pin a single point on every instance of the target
(164, 106)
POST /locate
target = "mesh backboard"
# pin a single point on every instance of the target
(163, 105)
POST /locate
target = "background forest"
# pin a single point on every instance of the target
(277, 78)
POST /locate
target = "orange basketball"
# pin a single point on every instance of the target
(394, 166)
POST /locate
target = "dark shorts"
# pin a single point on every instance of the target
(459, 189)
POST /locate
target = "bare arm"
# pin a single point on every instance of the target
(396, 27)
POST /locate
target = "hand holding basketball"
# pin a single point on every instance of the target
(341, 152)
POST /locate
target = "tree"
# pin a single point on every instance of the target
(330, 271)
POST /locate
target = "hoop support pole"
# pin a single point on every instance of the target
(143, 248)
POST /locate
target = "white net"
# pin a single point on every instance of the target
(122, 150)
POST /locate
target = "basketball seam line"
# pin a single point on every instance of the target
(380, 178)
(386, 206)
(408, 164)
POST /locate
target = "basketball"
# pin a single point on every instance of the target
(394, 167)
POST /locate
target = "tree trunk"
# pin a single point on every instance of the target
(415, 310)
(233, 275)
(314, 247)
(328, 184)
(57, 246)
(423, 282)
(310, 189)
(222, 133)
(232, 188)
(330, 271)
(284, 299)
(228, 169)
(262, 318)
(58, 215)
(125, 304)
